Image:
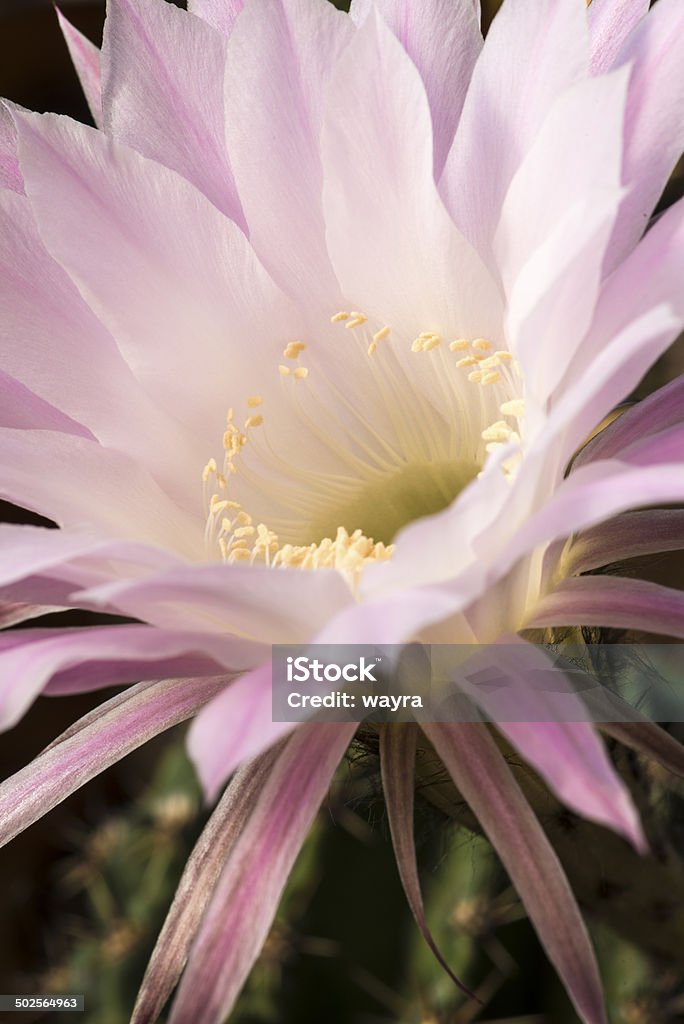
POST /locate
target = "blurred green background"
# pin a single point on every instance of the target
(85, 890)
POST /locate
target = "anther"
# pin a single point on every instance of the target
(372, 348)
(459, 345)
(284, 371)
(253, 421)
(482, 344)
(493, 377)
(380, 335)
(466, 361)
(475, 377)
(356, 321)
(301, 373)
(254, 401)
(293, 348)
(339, 317)
(516, 407)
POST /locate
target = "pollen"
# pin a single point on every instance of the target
(292, 349)
(301, 373)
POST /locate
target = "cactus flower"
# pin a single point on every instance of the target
(300, 344)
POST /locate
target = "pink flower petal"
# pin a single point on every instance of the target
(630, 535)
(654, 128)
(12, 613)
(86, 60)
(78, 483)
(282, 49)
(610, 23)
(651, 740)
(94, 743)
(20, 407)
(552, 731)
(196, 886)
(651, 415)
(220, 14)
(162, 93)
(443, 39)
(612, 601)
(380, 200)
(483, 778)
(56, 347)
(235, 925)
(234, 727)
(194, 290)
(274, 607)
(397, 761)
(72, 661)
(532, 53)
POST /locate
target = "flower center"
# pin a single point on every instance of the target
(320, 477)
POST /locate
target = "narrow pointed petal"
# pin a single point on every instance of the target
(220, 14)
(235, 727)
(274, 608)
(211, 289)
(615, 602)
(551, 729)
(162, 93)
(443, 39)
(370, 139)
(235, 925)
(284, 48)
(86, 60)
(651, 740)
(630, 535)
(94, 743)
(610, 23)
(532, 53)
(654, 127)
(653, 414)
(397, 764)
(78, 660)
(197, 885)
(483, 778)
(100, 487)
(572, 760)
(10, 172)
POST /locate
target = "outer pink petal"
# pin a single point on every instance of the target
(612, 601)
(485, 781)
(397, 255)
(234, 727)
(90, 659)
(610, 23)
(552, 731)
(627, 536)
(235, 924)
(196, 886)
(221, 14)
(53, 344)
(76, 662)
(175, 281)
(657, 412)
(280, 56)
(10, 172)
(532, 53)
(80, 484)
(283, 606)
(94, 743)
(12, 613)
(163, 93)
(86, 59)
(443, 39)
(654, 129)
